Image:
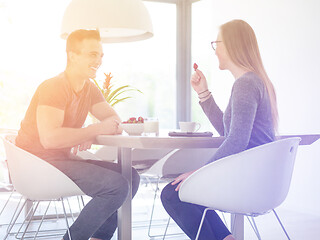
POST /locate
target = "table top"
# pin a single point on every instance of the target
(159, 141)
(306, 139)
(165, 141)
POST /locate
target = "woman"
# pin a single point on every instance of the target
(249, 120)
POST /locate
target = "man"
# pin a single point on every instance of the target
(52, 127)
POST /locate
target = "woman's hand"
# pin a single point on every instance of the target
(198, 81)
(181, 179)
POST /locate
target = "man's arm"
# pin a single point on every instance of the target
(52, 135)
(103, 111)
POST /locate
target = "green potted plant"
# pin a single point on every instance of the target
(112, 94)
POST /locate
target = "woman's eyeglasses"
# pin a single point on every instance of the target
(214, 44)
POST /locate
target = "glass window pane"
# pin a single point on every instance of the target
(148, 65)
(32, 51)
(205, 30)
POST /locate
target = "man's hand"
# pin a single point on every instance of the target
(82, 147)
(109, 126)
(109, 119)
(180, 179)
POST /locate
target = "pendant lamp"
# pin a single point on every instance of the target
(117, 20)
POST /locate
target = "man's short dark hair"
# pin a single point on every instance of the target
(78, 36)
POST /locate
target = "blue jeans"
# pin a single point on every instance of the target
(103, 182)
(188, 216)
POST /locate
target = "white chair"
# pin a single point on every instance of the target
(142, 159)
(250, 183)
(176, 162)
(179, 161)
(107, 153)
(36, 179)
(7, 185)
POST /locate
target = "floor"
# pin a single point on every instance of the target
(299, 226)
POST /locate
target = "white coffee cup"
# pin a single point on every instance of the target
(189, 126)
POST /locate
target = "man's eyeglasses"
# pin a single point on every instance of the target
(214, 44)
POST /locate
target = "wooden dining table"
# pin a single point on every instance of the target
(126, 143)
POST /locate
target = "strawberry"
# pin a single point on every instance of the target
(140, 119)
(134, 120)
(195, 66)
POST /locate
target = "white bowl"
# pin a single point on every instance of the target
(133, 128)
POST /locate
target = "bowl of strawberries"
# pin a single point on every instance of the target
(133, 126)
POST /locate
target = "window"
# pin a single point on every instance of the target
(148, 65)
(204, 30)
(32, 51)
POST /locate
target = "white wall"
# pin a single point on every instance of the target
(288, 33)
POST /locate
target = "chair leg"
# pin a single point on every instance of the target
(14, 213)
(152, 210)
(232, 224)
(79, 204)
(254, 227)
(224, 219)
(33, 212)
(201, 222)
(82, 200)
(43, 216)
(70, 209)
(56, 210)
(151, 217)
(28, 216)
(14, 220)
(165, 231)
(274, 211)
(65, 215)
(7, 202)
(39, 226)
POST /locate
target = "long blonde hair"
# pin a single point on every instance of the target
(242, 47)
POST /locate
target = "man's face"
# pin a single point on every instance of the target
(89, 58)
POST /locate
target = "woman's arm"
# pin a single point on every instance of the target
(199, 84)
(214, 114)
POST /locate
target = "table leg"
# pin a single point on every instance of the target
(237, 226)
(124, 213)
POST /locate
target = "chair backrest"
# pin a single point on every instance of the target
(181, 160)
(251, 182)
(33, 177)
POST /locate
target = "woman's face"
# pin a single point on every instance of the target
(221, 53)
